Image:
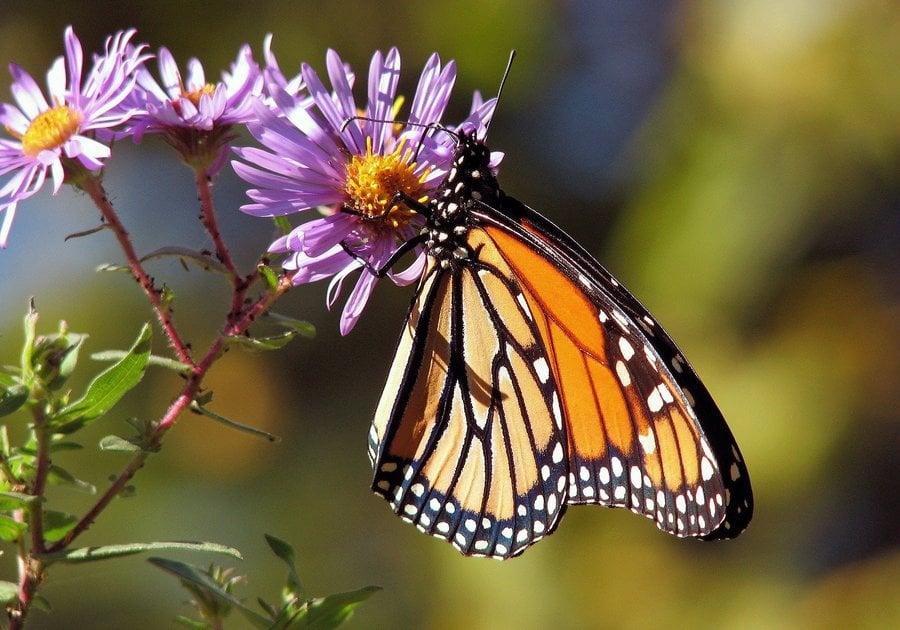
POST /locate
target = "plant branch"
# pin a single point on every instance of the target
(92, 186)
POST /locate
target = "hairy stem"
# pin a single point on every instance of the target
(93, 187)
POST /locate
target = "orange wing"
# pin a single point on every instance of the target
(633, 437)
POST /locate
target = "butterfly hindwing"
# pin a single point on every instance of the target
(468, 440)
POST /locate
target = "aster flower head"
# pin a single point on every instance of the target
(196, 116)
(351, 162)
(59, 135)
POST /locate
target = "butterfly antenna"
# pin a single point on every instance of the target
(512, 55)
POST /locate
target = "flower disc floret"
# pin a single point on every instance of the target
(51, 129)
(373, 182)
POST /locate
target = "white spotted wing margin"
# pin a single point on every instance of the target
(456, 449)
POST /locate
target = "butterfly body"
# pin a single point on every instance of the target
(527, 379)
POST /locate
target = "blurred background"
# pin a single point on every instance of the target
(734, 164)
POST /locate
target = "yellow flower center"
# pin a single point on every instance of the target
(194, 96)
(373, 182)
(50, 129)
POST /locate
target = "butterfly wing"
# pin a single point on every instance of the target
(527, 378)
(468, 442)
(643, 431)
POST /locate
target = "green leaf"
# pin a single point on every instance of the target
(232, 424)
(107, 388)
(187, 622)
(203, 259)
(155, 360)
(282, 224)
(333, 610)
(268, 275)
(8, 592)
(30, 325)
(40, 602)
(11, 529)
(305, 328)
(115, 443)
(12, 398)
(93, 230)
(112, 267)
(69, 359)
(105, 552)
(14, 500)
(198, 579)
(65, 446)
(64, 477)
(269, 342)
(58, 524)
(284, 551)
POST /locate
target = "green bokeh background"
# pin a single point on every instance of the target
(734, 164)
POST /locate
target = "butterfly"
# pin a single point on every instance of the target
(527, 379)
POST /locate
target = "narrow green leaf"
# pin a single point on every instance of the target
(108, 387)
(8, 592)
(190, 575)
(282, 224)
(65, 446)
(269, 342)
(69, 359)
(155, 360)
(13, 500)
(203, 259)
(268, 275)
(93, 230)
(41, 603)
(115, 443)
(30, 325)
(233, 424)
(62, 476)
(305, 328)
(12, 398)
(284, 551)
(90, 554)
(187, 622)
(11, 529)
(57, 524)
(112, 267)
(333, 610)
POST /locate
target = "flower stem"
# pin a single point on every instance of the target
(93, 187)
(208, 218)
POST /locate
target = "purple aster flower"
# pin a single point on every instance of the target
(59, 135)
(196, 116)
(328, 153)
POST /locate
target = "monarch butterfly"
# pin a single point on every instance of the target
(527, 378)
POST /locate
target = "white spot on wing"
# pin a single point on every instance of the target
(706, 469)
(557, 453)
(625, 348)
(542, 369)
(604, 475)
(617, 467)
(520, 298)
(623, 374)
(654, 401)
(648, 441)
